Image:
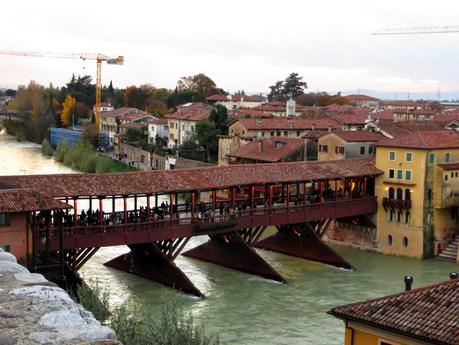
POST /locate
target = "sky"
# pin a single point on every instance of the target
(239, 44)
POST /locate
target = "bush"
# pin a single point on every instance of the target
(46, 148)
(61, 151)
(94, 299)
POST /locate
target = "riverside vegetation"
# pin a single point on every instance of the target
(134, 326)
(83, 157)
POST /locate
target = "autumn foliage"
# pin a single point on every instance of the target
(68, 109)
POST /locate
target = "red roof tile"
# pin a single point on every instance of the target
(191, 112)
(430, 313)
(292, 123)
(359, 136)
(190, 179)
(449, 166)
(383, 115)
(361, 98)
(225, 98)
(425, 140)
(24, 200)
(270, 150)
(123, 112)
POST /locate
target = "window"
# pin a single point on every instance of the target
(391, 193)
(262, 134)
(371, 149)
(407, 194)
(446, 177)
(399, 216)
(408, 157)
(405, 242)
(362, 150)
(431, 158)
(455, 175)
(391, 173)
(171, 135)
(392, 156)
(452, 175)
(399, 194)
(399, 174)
(272, 133)
(391, 215)
(447, 157)
(323, 148)
(407, 217)
(389, 242)
(298, 133)
(285, 134)
(408, 175)
(339, 150)
(278, 133)
(5, 219)
(6, 248)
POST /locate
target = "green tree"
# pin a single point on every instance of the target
(135, 97)
(182, 97)
(206, 137)
(199, 83)
(277, 91)
(292, 85)
(80, 88)
(219, 116)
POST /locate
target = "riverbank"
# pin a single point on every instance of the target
(84, 158)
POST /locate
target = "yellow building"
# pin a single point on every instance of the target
(427, 315)
(417, 194)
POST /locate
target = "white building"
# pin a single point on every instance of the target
(235, 102)
(158, 127)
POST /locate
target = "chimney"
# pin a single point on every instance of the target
(408, 282)
(453, 275)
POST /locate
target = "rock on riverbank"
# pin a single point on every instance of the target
(36, 311)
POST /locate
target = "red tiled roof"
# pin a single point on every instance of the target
(249, 111)
(191, 112)
(270, 150)
(449, 166)
(425, 140)
(361, 98)
(358, 136)
(160, 181)
(429, 314)
(383, 115)
(24, 200)
(404, 103)
(162, 121)
(123, 112)
(292, 123)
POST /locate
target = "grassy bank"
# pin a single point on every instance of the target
(83, 157)
(15, 128)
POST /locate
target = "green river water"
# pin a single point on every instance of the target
(242, 308)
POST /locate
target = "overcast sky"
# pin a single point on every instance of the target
(239, 44)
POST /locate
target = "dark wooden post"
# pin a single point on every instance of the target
(304, 194)
(156, 199)
(214, 200)
(365, 186)
(270, 197)
(75, 211)
(67, 209)
(297, 193)
(125, 212)
(193, 203)
(336, 190)
(232, 197)
(287, 202)
(101, 212)
(320, 191)
(171, 207)
(148, 207)
(90, 202)
(252, 199)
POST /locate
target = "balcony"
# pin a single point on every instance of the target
(396, 203)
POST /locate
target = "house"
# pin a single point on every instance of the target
(16, 208)
(418, 114)
(427, 315)
(110, 121)
(405, 105)
(228, 144)
(157, 128)
(182, 123)
(363, 101)
(417, 194)
(235, 102)
(347, 145)
(104, 106)
(272, 150)
(4, 100)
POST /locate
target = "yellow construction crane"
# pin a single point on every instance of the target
(118, 60)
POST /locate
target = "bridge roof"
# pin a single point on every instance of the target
(185, 180)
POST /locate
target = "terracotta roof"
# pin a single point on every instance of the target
(383, 115)
(162, 121)
(122, 112)
(449, 166)
(361, 98)
(191, 112)
(358, 136)
(130, 183)
(425, 140)
(270, 150)
(405, 103)
(225, 98)
(292, 123)
(249, 111)
(25, 200)
(429, 314)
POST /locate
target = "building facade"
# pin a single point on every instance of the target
(347, 145)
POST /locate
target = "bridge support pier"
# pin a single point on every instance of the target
(304, 240)
(155, 261)
(234, 250)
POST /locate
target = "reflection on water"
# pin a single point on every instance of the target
(245, 309)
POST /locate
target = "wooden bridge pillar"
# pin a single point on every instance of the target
(234, 250)
(303, 240)
(155, 261)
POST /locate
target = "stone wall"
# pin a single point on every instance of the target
(356, 236)
(36, 311)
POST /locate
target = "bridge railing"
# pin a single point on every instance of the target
(110, 224)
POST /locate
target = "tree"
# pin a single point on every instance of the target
(219, 116)
(199, 83)
(135, 97)
(293, 85)
(81, 88)
(206, 137)
(182, 97)
(68, 110)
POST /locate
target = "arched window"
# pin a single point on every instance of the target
(405, 242)
(407, 194)
(391, 193)
(399, 194)
(389, 240)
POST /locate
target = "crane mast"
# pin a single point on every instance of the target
(118, 60)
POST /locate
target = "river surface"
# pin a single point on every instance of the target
(242, 308)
